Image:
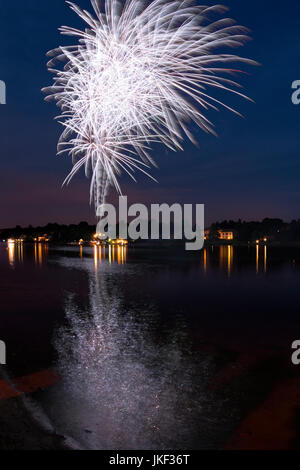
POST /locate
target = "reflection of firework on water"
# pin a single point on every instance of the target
(117, 383)
(123, 382)
(138, 75)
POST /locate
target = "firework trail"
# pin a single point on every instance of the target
(138, 74)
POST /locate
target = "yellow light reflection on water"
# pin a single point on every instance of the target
(40, 253)
(116, 254)
(229, 259)
(119, 255)
(15, 251)
(35, 254)
(113, 253)
(257, 259)
(205, 260)
(226, 258)
(221, 256)
(265, 258)
(11, 253)
(96, 257)
(20, 252)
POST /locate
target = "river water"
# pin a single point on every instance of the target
(138, 335)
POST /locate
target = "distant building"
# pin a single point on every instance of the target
(226, 235)
(221, 234)
(43, 239)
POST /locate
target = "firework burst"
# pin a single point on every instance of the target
(139, 73)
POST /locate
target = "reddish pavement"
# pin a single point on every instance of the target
(272, 426)
(28, 384)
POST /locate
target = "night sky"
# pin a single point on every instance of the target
(251, 171)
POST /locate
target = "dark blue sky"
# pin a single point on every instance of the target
(252, 170)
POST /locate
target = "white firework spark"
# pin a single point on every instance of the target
(139, 74)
